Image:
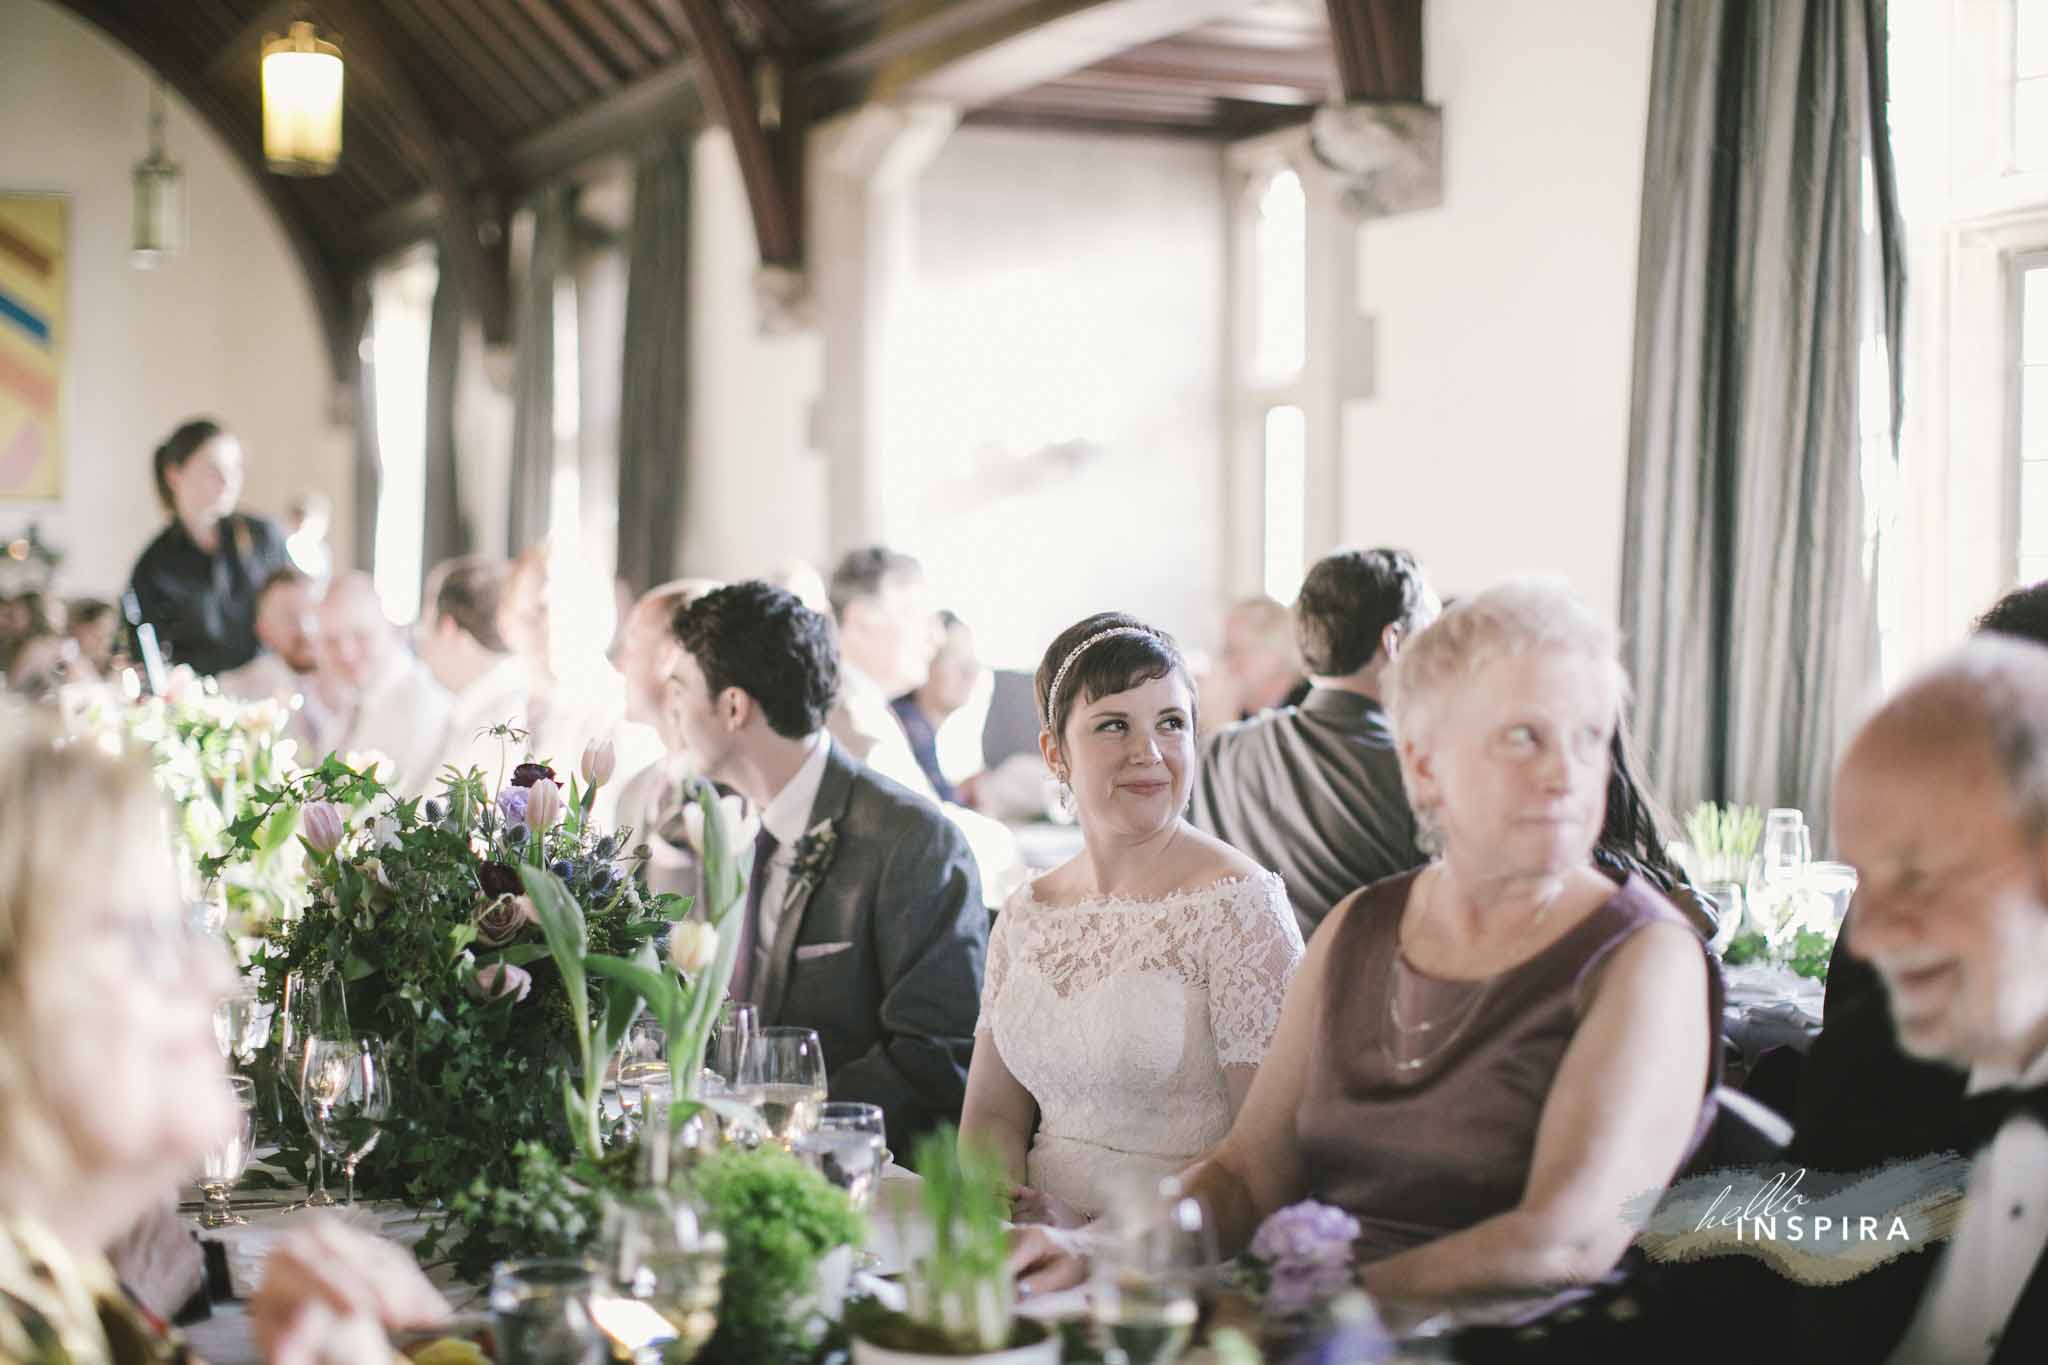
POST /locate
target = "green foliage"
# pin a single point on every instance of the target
(779, 1218)
(1724, 831)
(1746, 948)
(962, 1289)
(1810, 953)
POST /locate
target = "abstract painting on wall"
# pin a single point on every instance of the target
(33, 288)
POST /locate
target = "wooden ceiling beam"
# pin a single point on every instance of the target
(1379, 48)
(768, 164)
(974, 52)
(244, 143)
(1145, 79)
(564, 80)
(608, 35)
(659, 43)
(566, 41)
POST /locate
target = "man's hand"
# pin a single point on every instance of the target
(329, 1293)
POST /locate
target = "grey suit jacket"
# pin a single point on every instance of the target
(1313, 792)
(882, 954)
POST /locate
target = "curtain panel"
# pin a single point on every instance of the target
(654, 390)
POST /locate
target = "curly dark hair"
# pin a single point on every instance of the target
(1115, 665)
(1348, 599)
(763, 640)
(2023, 612)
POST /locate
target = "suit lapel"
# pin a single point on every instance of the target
(830, 804)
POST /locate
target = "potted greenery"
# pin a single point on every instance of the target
(960, 1301)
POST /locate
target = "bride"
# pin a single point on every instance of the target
(1131, 992)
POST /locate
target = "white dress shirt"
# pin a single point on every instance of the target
(787, 817)
(403, 715)
(866, 727)
(496, 697)
(2003, 1233)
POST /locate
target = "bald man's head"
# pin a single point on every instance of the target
(648, 648)
(1941, 803)
(356, 641)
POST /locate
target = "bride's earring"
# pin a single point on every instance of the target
(1066, 796)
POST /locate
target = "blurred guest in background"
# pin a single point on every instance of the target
(288, 626)
(1314, 791)
(198, 580)
(45, 662)
(888, 633)
(93, 622)
(1259, 667)
(25, 616)
(388, 703)
(653, 802)
(924, 709)
(487, 684)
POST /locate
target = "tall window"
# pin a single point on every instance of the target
(1280, 274)
(2032, 388)
(1286, 520)
(1275, 364)
(401, 316)
(2030, 85)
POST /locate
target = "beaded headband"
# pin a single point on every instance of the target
(1052, 694)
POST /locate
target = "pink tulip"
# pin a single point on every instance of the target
(543, 806)
(599, 762)
(323, 823)
(499, 979)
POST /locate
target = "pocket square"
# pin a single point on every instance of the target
(811, 952)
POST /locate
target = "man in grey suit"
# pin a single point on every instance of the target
(1314, 791)
(864, 916)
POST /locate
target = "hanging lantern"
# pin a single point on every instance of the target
(301, 103)
(159, 195)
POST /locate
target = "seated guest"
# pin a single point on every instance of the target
(1259, 669)
(1633, 841)
(390, 704)
(1314, 791)
(288, 627)
(1941, 805)
(925, 708)
(486, 683)
(888, 633)
(114, 1087)
(653, 803)
(44, 661)
(25, 616)
(1131, 991)
(1486, 1059)
(864, 917)
(94, 623)
(197, 581)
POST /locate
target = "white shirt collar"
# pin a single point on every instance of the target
(787, 816)
(1994, 1077)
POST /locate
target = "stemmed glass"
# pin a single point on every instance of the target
(241, 1025)
(736, 1026)
(310, 999)
(227, 1159)
(347, 1093)
(1147, 1274)
(783, 1075)
(848, 1147)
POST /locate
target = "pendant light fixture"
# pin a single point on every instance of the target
(301, 102)
(159, 194)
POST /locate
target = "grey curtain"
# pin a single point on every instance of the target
(369, 465)
(445, 534)
(533, 375)
(1747, 598)
(654, 390)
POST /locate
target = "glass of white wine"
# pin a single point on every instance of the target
(783, 1076)
(347, 1092)
(1148, 1275)
(227, 1159)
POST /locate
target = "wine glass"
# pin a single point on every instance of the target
(664, 1258)
(736, 1026)
(783, 1076)
(227, 1159)
(347, 1093)
(1147, 1274)
(541, 1312)
(241, 1024)
(848, 1147)
(640, 1083)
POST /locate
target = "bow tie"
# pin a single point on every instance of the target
(1984, 1113)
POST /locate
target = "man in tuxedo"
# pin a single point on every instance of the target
(864, 916)
(1941, 804)
(1314, 791)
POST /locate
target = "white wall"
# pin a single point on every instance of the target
(1067, 288)
(226, 329)
(1496, 440)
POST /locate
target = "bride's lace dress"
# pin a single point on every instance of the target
(1119, 1016)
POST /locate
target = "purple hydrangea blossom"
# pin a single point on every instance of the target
(512, 805)
(1302, 1287)
(1306, 1234)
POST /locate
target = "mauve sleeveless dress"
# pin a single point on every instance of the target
(1415, 1155)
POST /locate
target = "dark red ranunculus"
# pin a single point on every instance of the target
(526, 774)
(498, 880)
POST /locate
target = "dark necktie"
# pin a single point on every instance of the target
(750, 928)
(1983, 1114)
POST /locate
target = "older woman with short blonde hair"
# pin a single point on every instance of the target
(113, 1086)
(1486, 1059)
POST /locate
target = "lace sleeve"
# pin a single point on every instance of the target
(997, 968)
(1254, 947)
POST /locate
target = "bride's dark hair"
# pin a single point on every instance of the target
(1116, 664)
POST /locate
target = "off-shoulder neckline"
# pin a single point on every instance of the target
(1218, 887)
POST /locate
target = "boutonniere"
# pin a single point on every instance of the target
(813, 858)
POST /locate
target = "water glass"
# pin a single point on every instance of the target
(849, 1147)
(1148, 1273)
(241, 1025)
(736, 1026)
(666, 1265)
(644, 1042)
(541, 1313)
(227, 1159)
(783, 1076)
(347, 1093)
